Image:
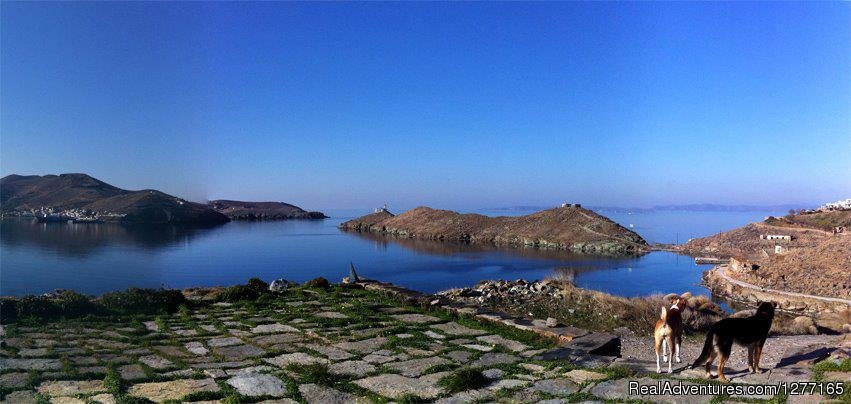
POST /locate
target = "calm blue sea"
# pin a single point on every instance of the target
(96, 258)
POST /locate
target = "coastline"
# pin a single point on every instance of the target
(721, 283)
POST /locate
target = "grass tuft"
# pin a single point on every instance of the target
(463, 379)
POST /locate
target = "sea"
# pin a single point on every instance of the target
(95, 258)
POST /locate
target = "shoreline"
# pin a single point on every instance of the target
(721, 283)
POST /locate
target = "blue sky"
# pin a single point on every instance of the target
(455, 105)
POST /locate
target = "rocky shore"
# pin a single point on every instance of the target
(570, 228)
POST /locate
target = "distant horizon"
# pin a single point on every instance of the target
(452, 105)
(519, 206)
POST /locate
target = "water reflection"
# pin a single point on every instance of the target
(79, 240)
(433, 247)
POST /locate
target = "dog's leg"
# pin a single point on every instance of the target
(670, 359)
(679, 341)
(657, 344)
(721, 361)
(751, 357)
(709, 364)
(664, 349)
(757, 357)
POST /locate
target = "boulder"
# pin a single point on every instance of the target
(280, 285)
(596, 343)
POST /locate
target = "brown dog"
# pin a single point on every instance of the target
(669, 332)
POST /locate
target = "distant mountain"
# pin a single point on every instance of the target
(240, 210)
(567, 228)
(81, 192)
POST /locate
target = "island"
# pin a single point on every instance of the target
(242, 210)
(569, 227)
(82, 198)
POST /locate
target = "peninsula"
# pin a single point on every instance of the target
(241, 210)
(806, 252)
(85, 198)
(569, 227)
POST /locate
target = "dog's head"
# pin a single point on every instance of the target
(766, 309)
(679, 303)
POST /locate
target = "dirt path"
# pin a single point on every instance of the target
(722, 271)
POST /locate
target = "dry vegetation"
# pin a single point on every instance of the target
(823, 270)
(815, 262)
(818, 220)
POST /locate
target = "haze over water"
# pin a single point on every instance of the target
(96, 258)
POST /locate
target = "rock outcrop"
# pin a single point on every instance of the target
(568, 228)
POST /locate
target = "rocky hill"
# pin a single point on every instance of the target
(241, 210)
(568, 228)
(815, 261)
(81, 192)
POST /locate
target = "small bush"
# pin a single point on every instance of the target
(72, 304)
(143, 301)
(319, 282)
(65, 304)
(463, 379)
(237, 293)
(258, 285)
(8, 311)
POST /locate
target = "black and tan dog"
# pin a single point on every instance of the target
(750, 332)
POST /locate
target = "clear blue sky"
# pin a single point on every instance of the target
(456, 105)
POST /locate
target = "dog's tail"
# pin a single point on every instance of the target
(707, 349)
(664, 315)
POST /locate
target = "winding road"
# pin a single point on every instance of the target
(722, 270)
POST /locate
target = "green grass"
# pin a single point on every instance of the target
(314, 373)
(463, 379)
(830, 366)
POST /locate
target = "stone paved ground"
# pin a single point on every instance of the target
(305, 345)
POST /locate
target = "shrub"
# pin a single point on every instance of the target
(64, 304)
(319, 282)
(73, 304)
(258, 285)
(143, 301)
(8, 311)
(237, 293)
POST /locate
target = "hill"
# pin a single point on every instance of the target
(81, 194)
(240, 210)
(814, 261)
(567, 228)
